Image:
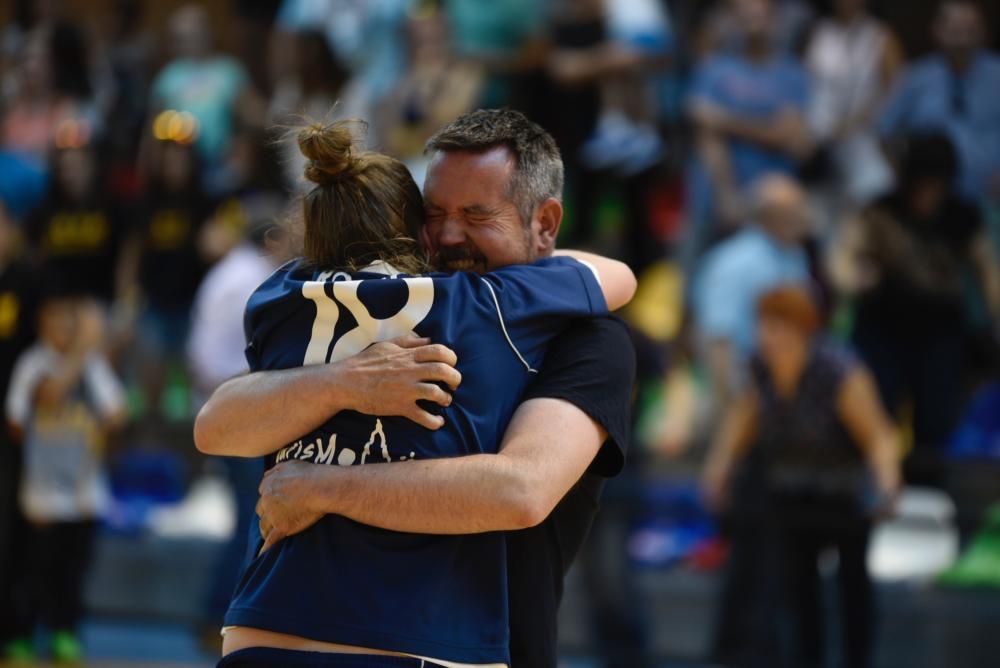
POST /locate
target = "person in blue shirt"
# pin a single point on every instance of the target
(956, 91)
(735, 273)
(396, 594)
(748, 108)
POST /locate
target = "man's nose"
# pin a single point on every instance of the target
(452, 232)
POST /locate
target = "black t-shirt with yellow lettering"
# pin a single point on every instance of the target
(170, 267)
(79, 243)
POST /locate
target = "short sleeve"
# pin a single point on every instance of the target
(715, 302)
(534, 301)
(104, 388)
(592, 366)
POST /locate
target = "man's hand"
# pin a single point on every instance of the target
(388, 378)
(284, 506)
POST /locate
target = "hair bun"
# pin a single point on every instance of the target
(329, 149)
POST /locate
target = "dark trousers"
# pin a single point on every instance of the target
(60, 554)
(267, 657)
(618, 612)
(802, 544)
(924, 368)
(15, 620)
(745, 632)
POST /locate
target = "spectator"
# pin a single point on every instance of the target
(215, 354)
(725, 32)
(161, 258)
(626, 136)
(738, 271)
(748, 109)
(905, 259)
(52, 86)
(17, 324)
(64, 399)
(437, 89)
(213, 87)
(853, 59)
(129, 52)
(251, 177)
(506, 38)
(813, 414)
(367, 36)
(956, 91)
(77, 231)
(603, 63)
(311, 89)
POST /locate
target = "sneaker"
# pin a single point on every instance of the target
(20, 649)
(66, 647)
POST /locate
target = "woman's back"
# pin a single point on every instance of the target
(342, 582)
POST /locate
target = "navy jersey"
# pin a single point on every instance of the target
(442, 597)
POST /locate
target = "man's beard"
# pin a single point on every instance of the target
(470, 258)
(460, 258)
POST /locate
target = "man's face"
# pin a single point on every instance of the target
(959, 29)
(755, 17)
(472, 224)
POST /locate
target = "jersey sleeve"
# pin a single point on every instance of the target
(534, 302)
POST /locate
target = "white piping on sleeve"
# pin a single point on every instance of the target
(593, 268)
(503, 327)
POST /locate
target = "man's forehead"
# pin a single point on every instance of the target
(485, 172)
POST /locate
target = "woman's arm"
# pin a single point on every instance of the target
(732, 441)
(617, 281)
(861, 410)
(257, 414)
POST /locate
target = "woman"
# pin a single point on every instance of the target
(340, 589)
(907, 260)
(78, 229)
(813, 418)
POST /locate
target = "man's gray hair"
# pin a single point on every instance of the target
(538, 167)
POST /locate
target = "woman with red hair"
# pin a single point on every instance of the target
(827, 460)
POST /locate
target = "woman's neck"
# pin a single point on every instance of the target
(787, 369)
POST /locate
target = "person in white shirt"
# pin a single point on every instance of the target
(63, 400)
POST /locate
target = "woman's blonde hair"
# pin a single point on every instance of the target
(365, 206)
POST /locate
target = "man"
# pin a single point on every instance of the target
(957, 91)
(748, 109)
(491, 172)
(737, 272)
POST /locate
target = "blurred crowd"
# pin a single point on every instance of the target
(812, 205)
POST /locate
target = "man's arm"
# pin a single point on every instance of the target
(786, 131)
(255, 415)
(547, 447)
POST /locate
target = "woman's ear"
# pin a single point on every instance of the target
(547, 220)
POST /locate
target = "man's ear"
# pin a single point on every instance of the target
(548, 218)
